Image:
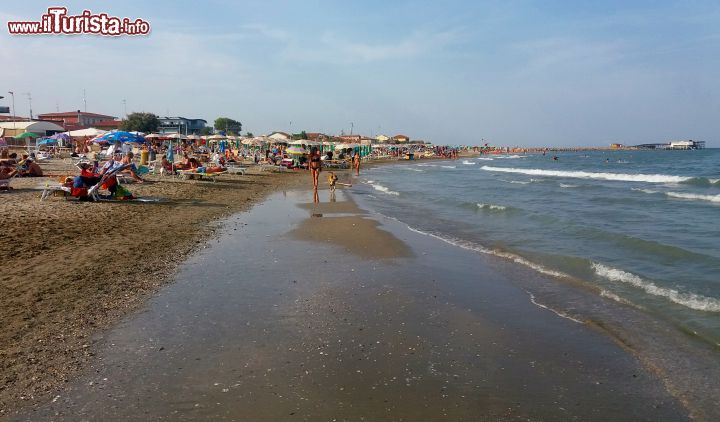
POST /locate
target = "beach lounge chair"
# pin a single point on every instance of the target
(188, 174)
(49, 190)
(93, 191)
(235, 169)
(5, 184)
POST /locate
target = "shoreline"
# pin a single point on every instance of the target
(72, 269)
(353, 335)
(337, 233)
(651, 337)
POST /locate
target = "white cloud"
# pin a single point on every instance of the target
(331, 48)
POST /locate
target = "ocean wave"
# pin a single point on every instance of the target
(485, 158)
(649, 178)
(689, 300)
(558, 313)
(710, 198)
(448, 167)
(383, 189)
(468, 163)
(563, 185)
(409, 168)
(511, 156)
(701, 181)
(515, 182)
(649, 191)
(683, 195)
(426, 165)
(491, 207)
(502, 254)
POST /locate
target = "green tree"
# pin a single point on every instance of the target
(206, 130)
(301, 135)
(249, 135)
(228, 125)
(140, 122)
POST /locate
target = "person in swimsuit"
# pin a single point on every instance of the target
(356, 163)
(315, 166)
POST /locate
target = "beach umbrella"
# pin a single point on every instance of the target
(47, 142)
(176, 136)
(121, 136)
(170, 153)
(194, 137)
(26, 135)
(58, 136)
(86, 133)
(154, 135)
(216, 137)
(295, 150)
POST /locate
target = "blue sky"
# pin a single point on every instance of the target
(529, 73)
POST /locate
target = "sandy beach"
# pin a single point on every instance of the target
(71, 269)
(289, 320)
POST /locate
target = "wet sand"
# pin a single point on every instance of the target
(272, 323)
(71, 269)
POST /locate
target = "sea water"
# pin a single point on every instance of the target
(639, 227)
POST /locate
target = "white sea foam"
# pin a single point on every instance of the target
(481, 249)
(412, 169)
(563, 185)
(511, 156)
(383, 189)
(683, 195)
(491, 207)
(448, 167)
(690, 300)
(558, 313)
(711, 198)
(650, 191)
(650, 178)
(426, 165)
(485, 158)
(515, 182)
(468, 163)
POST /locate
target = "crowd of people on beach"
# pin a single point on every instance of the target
(103, 166)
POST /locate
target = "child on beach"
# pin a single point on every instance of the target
(332, 180)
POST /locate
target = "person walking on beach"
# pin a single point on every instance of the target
(356, 163)
(315, 166)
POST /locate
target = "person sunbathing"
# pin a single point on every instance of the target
(190, 163)
(167, 165)
(31, 169)
(7, 172)
(127, 159)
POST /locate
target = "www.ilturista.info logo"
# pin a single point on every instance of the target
(56, 21)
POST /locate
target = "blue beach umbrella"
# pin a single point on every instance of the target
(47, 142)
(170, 154)
(121, 136)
